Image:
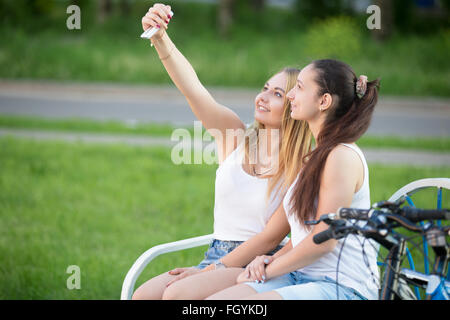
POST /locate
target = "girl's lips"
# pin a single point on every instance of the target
(262, 109)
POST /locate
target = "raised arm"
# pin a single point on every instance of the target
(212, 114)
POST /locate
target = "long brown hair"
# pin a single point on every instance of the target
(346, 121)
(295, 141)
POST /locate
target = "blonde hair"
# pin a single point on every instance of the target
(294, 145)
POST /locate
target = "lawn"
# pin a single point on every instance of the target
(101, 206)
(96, 207)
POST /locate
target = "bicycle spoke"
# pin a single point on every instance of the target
(439, 203)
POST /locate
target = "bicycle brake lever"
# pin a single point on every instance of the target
(328, 218)
(340, 229)
(389, 204)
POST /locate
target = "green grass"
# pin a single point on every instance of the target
(441, 144)
(100, 207)
(96, 207)
(86, 125)
(438, 144)
(259, 45)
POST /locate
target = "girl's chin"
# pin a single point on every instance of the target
(260, 117)
(295, 116)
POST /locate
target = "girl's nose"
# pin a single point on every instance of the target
(290, 94)
(263, 96)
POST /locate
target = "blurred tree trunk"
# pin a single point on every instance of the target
(125, 7)
(225, 17)
(258, 5)
(81, 3)
(387, 20)
(104, 10)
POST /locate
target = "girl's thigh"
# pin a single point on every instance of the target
(253, 290)
(153, 289)
(236, 292)
(319, 290)
(270, 295)
(201, 285)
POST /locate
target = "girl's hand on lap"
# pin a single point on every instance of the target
(182, 273)
(242, 277)
(255, 270)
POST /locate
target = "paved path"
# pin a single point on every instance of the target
(382, 156)
(164, 104)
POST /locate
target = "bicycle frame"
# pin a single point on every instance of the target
(390, 282)
(437, 288)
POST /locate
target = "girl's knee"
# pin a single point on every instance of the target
(139, 294)
(151, 290)
(177, 292)
(171, 293)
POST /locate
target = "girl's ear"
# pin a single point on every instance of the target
(325, 102)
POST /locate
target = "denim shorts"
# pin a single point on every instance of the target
(298, 286)
(220, 248)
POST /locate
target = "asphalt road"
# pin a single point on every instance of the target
(164, 104)
(380, 156)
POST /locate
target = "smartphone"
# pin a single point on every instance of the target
(151, 31)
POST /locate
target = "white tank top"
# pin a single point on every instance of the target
(241, 207)
(353, 271)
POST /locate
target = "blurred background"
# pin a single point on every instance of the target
(86, 176)
(230, 42)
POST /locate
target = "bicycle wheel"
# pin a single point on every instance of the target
(419, 193)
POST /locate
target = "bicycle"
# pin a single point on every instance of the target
(379, 224)
(427, 185)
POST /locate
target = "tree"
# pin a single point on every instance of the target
(311, 10)
(104, 10)
(258, 5)
(125, 7)
(387, 20)
(225, 16)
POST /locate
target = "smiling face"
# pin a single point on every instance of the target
(269, 103)
(305, 102)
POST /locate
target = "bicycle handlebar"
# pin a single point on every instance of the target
(406, 216)
(412, 214)
(323, 236)
(353, 213)
(417, 215)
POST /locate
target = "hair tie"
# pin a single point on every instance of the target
(361, 86)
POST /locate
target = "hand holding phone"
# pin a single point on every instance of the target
(158, 16)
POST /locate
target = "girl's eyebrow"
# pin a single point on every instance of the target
(300, 82)
(276, 88)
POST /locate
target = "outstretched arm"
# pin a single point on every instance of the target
(212, 114)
